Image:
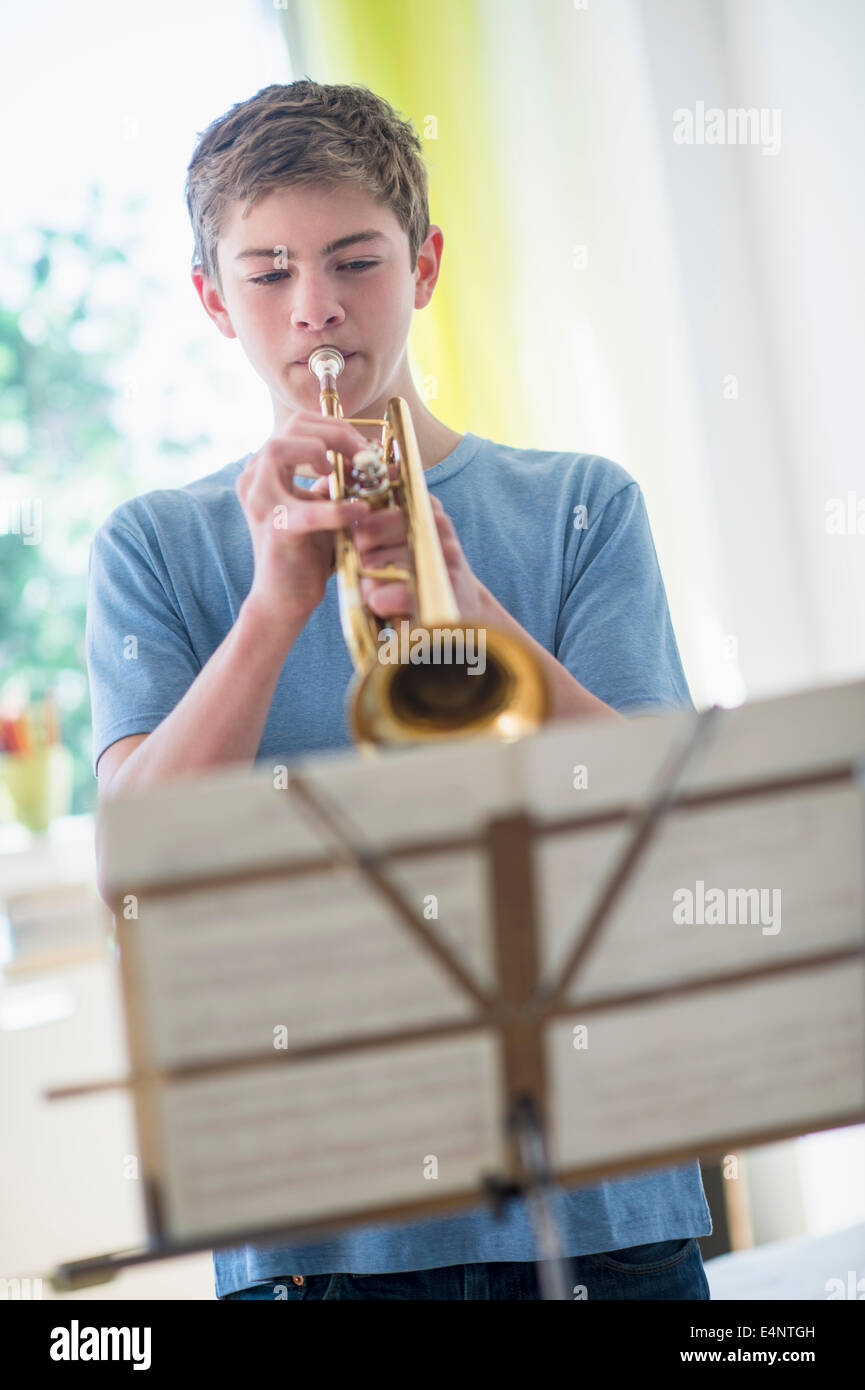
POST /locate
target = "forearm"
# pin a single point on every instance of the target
(570, 700)
(221, 717)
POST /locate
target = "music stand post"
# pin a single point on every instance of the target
(538, 1188)
(516, 928)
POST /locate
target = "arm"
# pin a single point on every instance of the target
(570, 699)
(222, 715)
(219, 720)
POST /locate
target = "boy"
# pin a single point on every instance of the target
(310, 212)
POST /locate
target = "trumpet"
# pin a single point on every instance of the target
(397, 703)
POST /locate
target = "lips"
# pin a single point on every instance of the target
(304, 361)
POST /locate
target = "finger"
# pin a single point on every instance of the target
(387, 600)
(319, 489)
(357, 509)
(298, 513)
(380, 528)
(272, 483)
(271, 477)
(313, 450)
(448, 539)
(379, 538)
(444, 525)
(307, 516)
(401, 561)
(337, 434)
(375, 535)
(305, 420)
(387, 524)
(383, 526)
(380, 559)
(308, 444)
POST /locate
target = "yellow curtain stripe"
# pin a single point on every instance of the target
(424, 62)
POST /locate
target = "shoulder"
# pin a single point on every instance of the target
(590, 479)
(171, 511)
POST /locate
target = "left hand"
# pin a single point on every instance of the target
(381, 538)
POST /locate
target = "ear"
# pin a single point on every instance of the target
(210, 296)
(429, 259)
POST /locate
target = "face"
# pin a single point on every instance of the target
(284, 292)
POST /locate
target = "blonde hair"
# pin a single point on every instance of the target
(305, 132)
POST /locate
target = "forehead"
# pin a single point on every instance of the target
(305, 218)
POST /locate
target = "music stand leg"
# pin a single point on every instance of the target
(538, 1191)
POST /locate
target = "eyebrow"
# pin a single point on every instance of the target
(268, 252)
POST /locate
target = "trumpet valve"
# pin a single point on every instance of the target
(370, 471)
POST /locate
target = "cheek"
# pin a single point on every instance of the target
(390, 300)
(262, 329)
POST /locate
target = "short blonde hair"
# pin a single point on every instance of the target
(306, 132)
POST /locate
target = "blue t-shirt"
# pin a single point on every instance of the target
(563, 542)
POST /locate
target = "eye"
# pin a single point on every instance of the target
(273, 277)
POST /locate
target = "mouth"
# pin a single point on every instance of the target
(304, 361)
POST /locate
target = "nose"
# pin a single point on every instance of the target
(314, 306)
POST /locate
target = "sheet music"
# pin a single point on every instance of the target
(791, 734)
(276, 1144)
(786, 736)
(319, 957)
(224, 820)
(715, 1067)
(420, 793)
(456, 886)
(806, 849)
(241, 818)
(622, 761)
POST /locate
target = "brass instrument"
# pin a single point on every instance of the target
(398, 703)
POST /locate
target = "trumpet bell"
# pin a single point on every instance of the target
(503, 696)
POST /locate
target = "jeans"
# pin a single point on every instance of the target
(665, 1269)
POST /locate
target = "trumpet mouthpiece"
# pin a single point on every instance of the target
(326, 361)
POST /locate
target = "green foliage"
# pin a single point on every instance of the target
(62, 455)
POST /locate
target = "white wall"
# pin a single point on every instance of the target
(769, 249)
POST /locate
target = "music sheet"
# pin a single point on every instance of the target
(329, 1137)
(709, 1071)
(789, 871)
(305, 960)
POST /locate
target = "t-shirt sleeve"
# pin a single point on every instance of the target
(614, 632)
(140, 661)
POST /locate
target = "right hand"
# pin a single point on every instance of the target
(291, 527)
